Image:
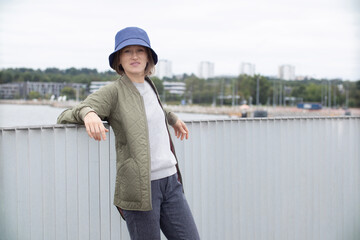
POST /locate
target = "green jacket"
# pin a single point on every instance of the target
(121, 104)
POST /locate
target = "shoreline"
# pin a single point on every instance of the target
(232, 111)
(56, 104)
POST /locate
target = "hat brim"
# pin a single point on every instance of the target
(130, 42)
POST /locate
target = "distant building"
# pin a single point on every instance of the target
(51, 88)
(163, 69)
(287, 72)
(22, 89)
(96, 85)
(206, 70)
(248, 69)
(11, 90)
(175, 87)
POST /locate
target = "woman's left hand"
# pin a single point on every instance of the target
(181, 130)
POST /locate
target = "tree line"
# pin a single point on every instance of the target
(256, 89)
(70, 75)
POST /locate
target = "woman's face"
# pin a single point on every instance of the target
(134, 59)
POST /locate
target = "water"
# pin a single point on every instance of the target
(13, 115)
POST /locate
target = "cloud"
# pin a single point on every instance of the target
(318, 37)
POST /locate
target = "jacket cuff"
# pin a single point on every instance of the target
(85, 111)
(172, 118)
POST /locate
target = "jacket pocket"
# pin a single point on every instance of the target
(129, 181)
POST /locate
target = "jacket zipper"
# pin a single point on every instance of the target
(148, 150)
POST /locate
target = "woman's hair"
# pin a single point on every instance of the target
(149, 69)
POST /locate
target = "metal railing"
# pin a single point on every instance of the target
(284, 178)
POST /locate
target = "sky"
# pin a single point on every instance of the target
(320, 38)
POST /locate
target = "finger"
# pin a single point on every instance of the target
(95, 132)
(179, 133)
(187, 130)
(184, 131)
(176, 132)
(183, 134)
(88, 130)
(92, 131)
(98, 132)
(103, 133)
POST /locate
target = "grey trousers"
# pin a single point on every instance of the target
(170, 213)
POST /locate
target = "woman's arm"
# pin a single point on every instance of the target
(95, 108)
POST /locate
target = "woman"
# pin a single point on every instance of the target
(148, 189)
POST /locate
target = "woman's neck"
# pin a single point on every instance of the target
(137, 78)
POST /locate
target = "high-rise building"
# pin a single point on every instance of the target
(287, 72)
(206, 70)
(163, 69)
(247, 68)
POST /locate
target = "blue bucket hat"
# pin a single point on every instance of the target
(131, 36)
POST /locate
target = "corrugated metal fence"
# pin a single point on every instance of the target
(244, 179)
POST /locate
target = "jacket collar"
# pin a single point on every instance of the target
(125, 79)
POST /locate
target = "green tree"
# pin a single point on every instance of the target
(265, 89)
(69, 92)
(354, 94)
(6, 76)
(313, 93)
(299, 91)
(34, 95)
(195, 89)
(246, 87)
(158, 84)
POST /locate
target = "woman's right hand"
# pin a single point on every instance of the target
(94, 126)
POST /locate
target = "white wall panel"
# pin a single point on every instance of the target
(23, 182)
(8, 185)
(282, 178)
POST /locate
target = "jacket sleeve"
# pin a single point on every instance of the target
(171, 117)
(101, 102)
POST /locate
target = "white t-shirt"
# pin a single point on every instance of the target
(162, 158)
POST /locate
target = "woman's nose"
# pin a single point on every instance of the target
(134, 55)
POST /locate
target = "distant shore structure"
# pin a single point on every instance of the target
(22, 89)
(96, 85)
(177, 88)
